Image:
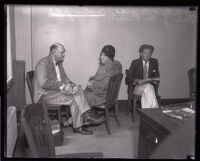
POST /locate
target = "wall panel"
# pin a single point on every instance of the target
(172, 31)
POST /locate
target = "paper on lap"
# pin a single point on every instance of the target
(148, 80)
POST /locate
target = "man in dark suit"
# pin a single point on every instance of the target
(144, 73)
(52, 85)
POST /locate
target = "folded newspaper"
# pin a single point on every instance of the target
(181, 114)
(148, 80)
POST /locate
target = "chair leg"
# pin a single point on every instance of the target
(67, 112)
(128, 107)
(159, 100)
(117, 120)
(107, 123)
(116, 115)
(134, 109)
(59, 117)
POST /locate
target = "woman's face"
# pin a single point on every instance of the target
(103, 58)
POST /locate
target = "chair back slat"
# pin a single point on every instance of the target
(29, 79)
(37, 129)
(113, 90)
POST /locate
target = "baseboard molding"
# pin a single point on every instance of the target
(163, 101)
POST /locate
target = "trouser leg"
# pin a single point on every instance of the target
(81, 101)
(147, 92)
(76, 115)
(74, 105)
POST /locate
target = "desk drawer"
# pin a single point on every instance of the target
(150, 138)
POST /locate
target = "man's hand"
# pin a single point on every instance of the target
(148, 80)
(155, 82)
(139, 81)
(66, 88)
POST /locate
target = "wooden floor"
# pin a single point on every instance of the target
(122, 143)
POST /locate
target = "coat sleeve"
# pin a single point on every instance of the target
(156, 72)
(100, 85)
(44, 79)
(130, 76)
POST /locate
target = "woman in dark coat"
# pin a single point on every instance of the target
(95, 91)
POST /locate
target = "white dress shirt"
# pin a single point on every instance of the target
(57, 71)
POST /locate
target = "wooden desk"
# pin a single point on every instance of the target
(155, 126)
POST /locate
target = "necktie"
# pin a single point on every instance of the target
(145, 72)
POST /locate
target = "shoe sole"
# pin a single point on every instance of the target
(83, 133)
(94, 123)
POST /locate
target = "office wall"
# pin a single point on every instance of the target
(172, 31)
(23, 39)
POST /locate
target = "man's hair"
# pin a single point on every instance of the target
(55, 46)
(146, 46)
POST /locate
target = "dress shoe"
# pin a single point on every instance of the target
(100, 113)
(82, 130)
(97, 112)
(93, 120)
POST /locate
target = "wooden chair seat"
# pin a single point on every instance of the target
(50, 107)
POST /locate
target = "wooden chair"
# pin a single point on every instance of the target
(36, 127)
(134, 99)
(192, 82)
(57, 108)
(110, 107)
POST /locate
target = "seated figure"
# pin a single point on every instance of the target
(144, 74)
(52, 85)
(95, 91)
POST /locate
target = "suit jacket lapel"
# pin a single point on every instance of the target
(150, 68)
(140, 67)
(52, 67)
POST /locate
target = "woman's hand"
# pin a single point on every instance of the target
(89, 85)
(91, 78)
(76, 88)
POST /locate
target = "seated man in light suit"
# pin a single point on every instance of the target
(144, 72)
(95, 91)
(52, 85)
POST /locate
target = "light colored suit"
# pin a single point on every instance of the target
(46, 88)
(45, 78)
(97, 94)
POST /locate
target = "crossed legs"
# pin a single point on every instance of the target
(147, 92)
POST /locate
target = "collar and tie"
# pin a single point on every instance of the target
(145, 71)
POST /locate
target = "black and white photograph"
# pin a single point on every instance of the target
(97, 81)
